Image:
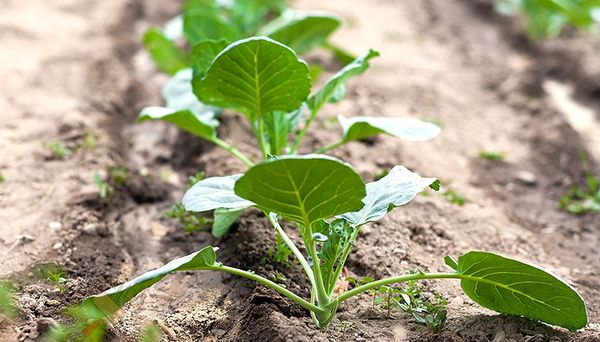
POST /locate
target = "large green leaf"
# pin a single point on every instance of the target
(333, 85)
(202, 20)
(113, 299)
(302, 31)
(204, 53)
(223, 220)
(360, 127)
(397, 188)
(167, 56)
(184, 119)
(213, 193)
(515, 288)
(255, 76)
(303, 188)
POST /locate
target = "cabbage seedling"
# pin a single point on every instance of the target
(205, 21)
(328, 202)
(547, 19)
(267, 83)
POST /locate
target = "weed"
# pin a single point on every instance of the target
(58, 149)
(583, 199)
(105, 190)
(191, 222)
(491, 155)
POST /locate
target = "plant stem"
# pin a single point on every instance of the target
(292, 296)
(302, 132)
(341, 54)
(399, 279)
(342, 261)
(330, 147)
(235, 152)
(261, 138)
(322, 296)
(309, 272)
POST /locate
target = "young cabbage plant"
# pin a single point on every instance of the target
(548, 18)
(329, 203)
(266, 82)
(212, 20)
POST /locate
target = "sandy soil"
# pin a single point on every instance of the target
(76, 67)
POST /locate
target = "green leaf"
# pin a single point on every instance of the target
(184, 119)
(213, 193)
(113, 299)
(223, 220)
(179, 96)
(304, 189)
(331, 88)
(360, 127)
(515, 288)
(339, 235)
(249, 14)
(278, 126)
(302, 31)
(168, 57)
(255, 76)
(397, 188)
(204, 53)
(202, 20)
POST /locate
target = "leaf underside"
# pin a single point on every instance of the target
(303, 188)
(184, 119)
(515, 288)
(360, 127)
(113, 299)
(213, 193)
(397, 188)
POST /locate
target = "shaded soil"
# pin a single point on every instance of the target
(455, 61)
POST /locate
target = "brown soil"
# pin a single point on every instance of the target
(74, 68)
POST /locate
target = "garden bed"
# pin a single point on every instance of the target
(457, 62)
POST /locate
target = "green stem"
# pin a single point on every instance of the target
(417, 276)
(330, 147)
(293, 248)
(302, 133)
(261, 138)
(341, 54)
(322, 296)
(235, 152)
(292, 296)
(342, 262)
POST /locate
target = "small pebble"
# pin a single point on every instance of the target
(90, 229)
(57, 245)
(55, 225)
(52, 302)
(526, 178)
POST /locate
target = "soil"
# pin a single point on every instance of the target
(74, 69)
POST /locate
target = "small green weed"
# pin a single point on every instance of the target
(583, 199)
(105, 190)
(195, 178)
(191, 222)
(491, 155)
(58, 149)
(57, 278)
